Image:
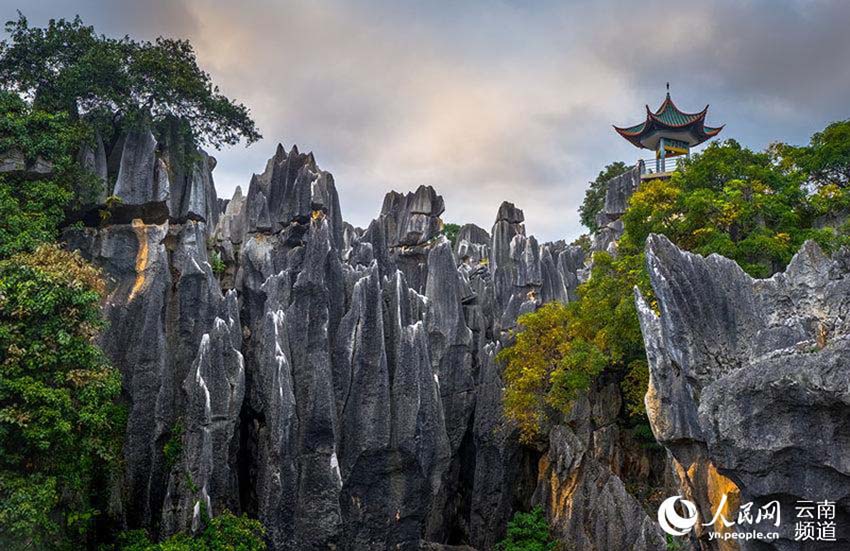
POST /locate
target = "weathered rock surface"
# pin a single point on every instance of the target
(15, 163)
(618, 190)
(617, 193)
(581, 479)
(748, 382)
(141, 177)
(92, 157)
(345, 390)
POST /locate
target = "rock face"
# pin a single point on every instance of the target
(618, 191)
(13, 162)
(344, 389)
(748, 382)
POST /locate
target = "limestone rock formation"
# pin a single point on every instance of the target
(92, 157)
(580, 484)
(14, 162)
(344, 388)
(618, 190)
(748, 382)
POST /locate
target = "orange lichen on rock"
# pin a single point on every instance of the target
(560, 491)
(141, 257)
(703, 484)
(653, 406)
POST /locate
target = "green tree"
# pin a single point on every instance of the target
(32, 207)
(731, 201)
(67, 67)
(594, 196)
(450, 231)
(527, 532)
(225, 532)
(561, 348)
(826, 160)
(60, 427)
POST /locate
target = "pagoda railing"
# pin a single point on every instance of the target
(659, 166)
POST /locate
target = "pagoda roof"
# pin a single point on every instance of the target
(668, 121)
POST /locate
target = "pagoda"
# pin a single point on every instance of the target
(670, 132)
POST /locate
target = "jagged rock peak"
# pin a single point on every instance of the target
(472, 244)
(618, 190)
(473, 234)
(413, 218)
(291, 191)
(508, 212)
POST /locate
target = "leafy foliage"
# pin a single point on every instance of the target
(451, 231)
(173, 448)
(826, 160)
(67, 67)
(731, 201)
(60, 427)
(32, 209)
(225, 532)
(527, 532)
(594, 196)
(218, 265)
(561, 348)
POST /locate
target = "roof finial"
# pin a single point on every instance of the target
(668, 86)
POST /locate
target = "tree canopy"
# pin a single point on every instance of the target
(826, 159)
(732, 201)
(561, 348)
(450, 231)
(31, 209)
(67, 67)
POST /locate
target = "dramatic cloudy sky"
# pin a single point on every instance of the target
(492, 100)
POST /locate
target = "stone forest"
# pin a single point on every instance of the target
(184, 371)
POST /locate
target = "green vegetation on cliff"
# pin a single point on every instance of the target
(32, 205)
(67, 67)
(563, 347)
(225, 532)
(527, 532)
(450, 231)
(61, 425)
(754, 207)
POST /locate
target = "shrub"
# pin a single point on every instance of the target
(225, 532)
(451, 231)
(60, 428)
(527, 532)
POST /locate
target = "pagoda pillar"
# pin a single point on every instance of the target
(660, 156)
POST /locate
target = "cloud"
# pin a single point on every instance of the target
(492, 101)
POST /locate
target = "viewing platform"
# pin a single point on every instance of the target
(659, 168)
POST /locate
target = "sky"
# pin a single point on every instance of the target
(492, 100)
